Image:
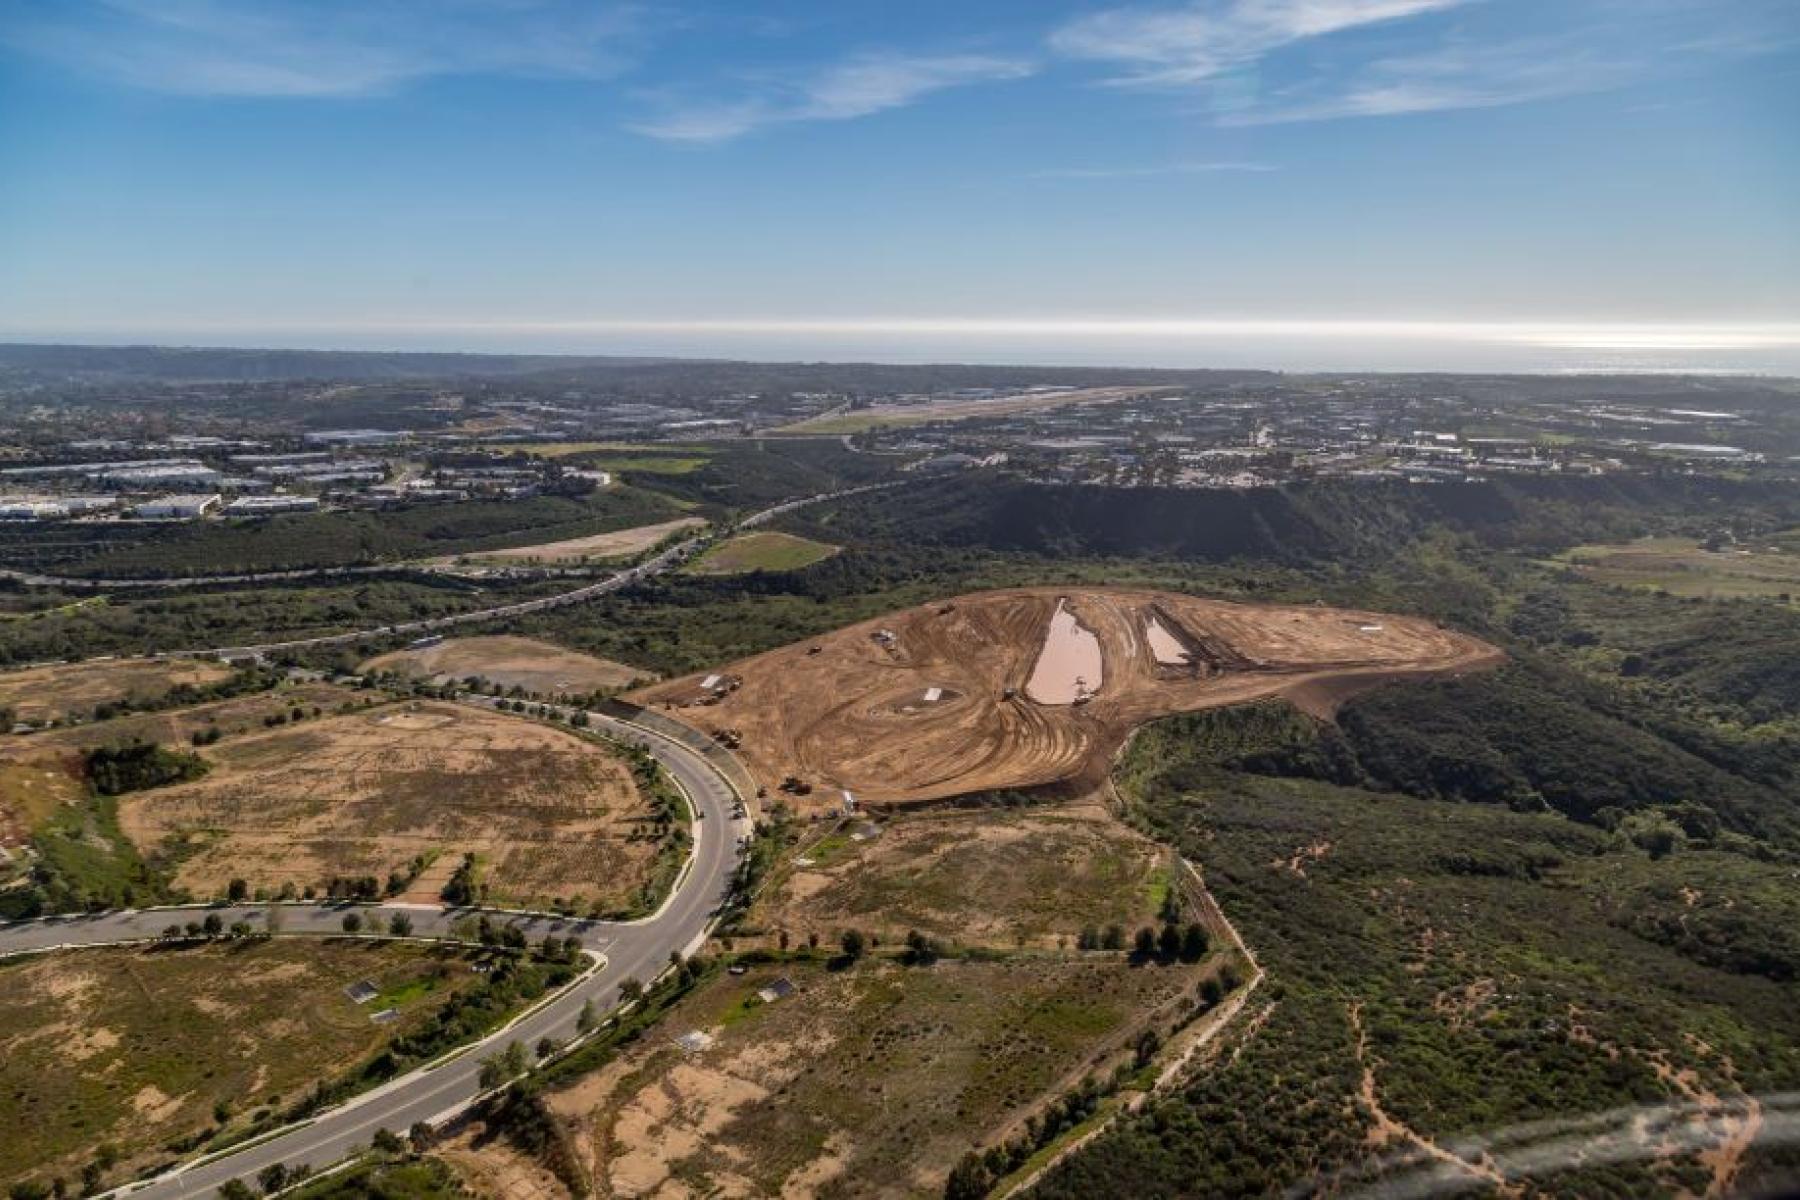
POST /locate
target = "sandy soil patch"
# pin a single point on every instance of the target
(550, 815)
(510, 662)
(837, 712)
(617, 544)
(494, 1170)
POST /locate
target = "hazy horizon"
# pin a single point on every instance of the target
(1569, 348)
(698, 178)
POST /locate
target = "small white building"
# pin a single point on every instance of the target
(177, 508)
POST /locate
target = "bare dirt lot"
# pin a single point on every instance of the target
(51, 693)
(867, 1082)
(510, 662)
(972, 877)
(134, 1047)
(937, 701)
(550, 815)
(617, 544)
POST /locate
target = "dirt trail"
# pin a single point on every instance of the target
(1385, 1130)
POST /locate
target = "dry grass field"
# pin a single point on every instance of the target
(536, 666)
(868, 1082)
(763, 550)
(133, 1047)
(1017, 688)
(549, 814)
(42, 772)
(1682, 567)
(597, 548)
(1002, 878)
(51, 693)
(176, 726)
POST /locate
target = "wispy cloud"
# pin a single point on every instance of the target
(320, 48)
(1459, 76)
(1244, 56)
(858, 87)
(1152, 170)
(1175, 47)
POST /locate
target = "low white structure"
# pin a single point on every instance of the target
(177, 508)
(51, 508)
(262, 506)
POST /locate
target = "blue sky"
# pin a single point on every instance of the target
(580, 175)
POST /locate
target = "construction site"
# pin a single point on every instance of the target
(1027, 687)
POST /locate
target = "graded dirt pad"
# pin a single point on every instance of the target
(849, 711)
(1000, 878)
(870, 1081)
(549, 814)
(617, 544)
(133, 1047)
(538, 667)
(52, 693)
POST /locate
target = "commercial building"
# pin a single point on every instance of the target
(177, 508)
(263, 506)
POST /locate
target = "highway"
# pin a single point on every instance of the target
(667, 559)
(634, 950)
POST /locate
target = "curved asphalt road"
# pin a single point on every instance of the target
(638, 950)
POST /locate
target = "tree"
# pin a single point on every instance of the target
(352, 922)
(508, 1064)
(585, 1022)
(1171, 906)
(547, 1046)
(235, 1189)
(1145, 946)
(920, 950)
(1168, 942)
(1193, 942)
(272, 1178)
(969, 1179)
(388, 1142)
(213, 926)
(238, 891)
(630, 990)
(422, 1136)
(853, 944)
(1113, 938)
(400, 925)
(1088, 939)
(29, 1189)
